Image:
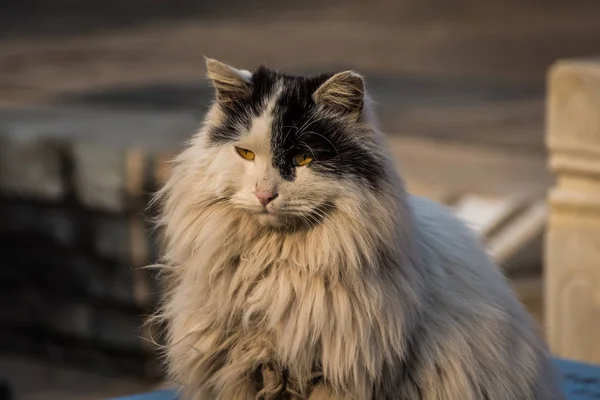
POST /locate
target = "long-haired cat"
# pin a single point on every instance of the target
(297, 267)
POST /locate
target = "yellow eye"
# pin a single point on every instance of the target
(245, 153)
(302, 159)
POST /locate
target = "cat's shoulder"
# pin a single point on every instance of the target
(427, 211)
(446, 243)
(437, 223)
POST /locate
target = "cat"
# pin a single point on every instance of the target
(296, 266)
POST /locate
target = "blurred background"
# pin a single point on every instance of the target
(96, 95)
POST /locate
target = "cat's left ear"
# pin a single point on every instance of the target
(230, 83)
(343, 93)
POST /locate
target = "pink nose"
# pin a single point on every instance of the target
(265, 197)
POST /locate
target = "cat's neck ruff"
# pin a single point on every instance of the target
(347, 240)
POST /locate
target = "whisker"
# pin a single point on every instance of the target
(288, 132)
(320, 135)
(307, 123)
(309, 148)
(310, 121)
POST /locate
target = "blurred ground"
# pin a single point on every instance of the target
(473, 73)
(470, 71)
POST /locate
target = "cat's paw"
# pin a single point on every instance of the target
(272, 382)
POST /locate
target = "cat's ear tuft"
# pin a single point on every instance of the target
(231, 84)
(343, 93)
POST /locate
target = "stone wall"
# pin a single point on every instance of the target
(74, 236)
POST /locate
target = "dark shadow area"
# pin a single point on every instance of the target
(26, 18)
(57, 305)
(23, 18)
(61, 299)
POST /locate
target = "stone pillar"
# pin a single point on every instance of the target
(572, 246)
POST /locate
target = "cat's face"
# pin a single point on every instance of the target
(288, 150)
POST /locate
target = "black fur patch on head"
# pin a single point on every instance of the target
(299, 126)
(334, 142)
(293, 124)
(240, 113)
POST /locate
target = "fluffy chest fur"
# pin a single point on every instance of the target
(289, 304)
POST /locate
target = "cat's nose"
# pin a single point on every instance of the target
(266, 197)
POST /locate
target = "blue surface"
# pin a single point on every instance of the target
(579, 382)
(160, 395)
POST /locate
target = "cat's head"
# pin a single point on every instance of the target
(290, 149)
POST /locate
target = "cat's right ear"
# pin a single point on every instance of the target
(231, 84)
